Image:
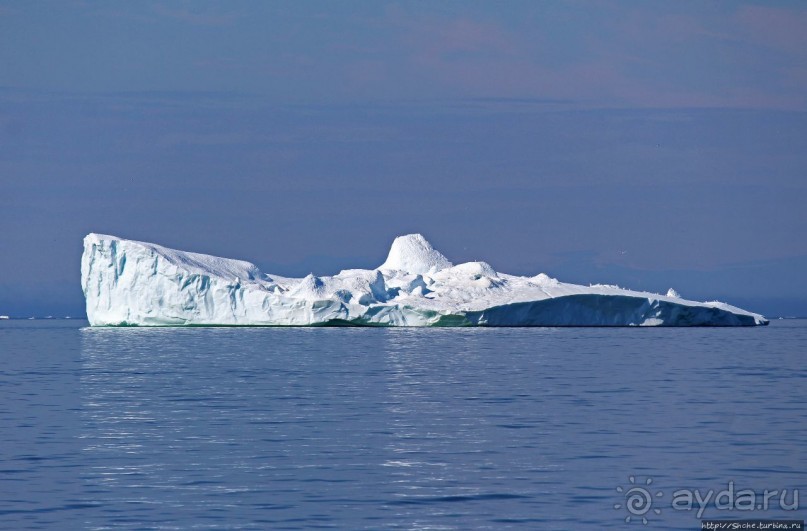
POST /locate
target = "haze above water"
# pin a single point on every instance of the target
(368, 428)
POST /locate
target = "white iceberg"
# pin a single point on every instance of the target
(130, 283)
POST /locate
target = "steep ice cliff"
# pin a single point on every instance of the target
(135, 283)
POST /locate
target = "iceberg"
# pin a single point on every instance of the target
(131, 283)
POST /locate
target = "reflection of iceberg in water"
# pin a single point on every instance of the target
(151, 423)
(277, 422)
(239, 426)
(444, 446)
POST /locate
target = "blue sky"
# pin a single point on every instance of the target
(649, 144)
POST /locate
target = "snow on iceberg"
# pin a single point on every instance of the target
(134, 283)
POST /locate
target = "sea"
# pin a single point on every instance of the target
(373, 428)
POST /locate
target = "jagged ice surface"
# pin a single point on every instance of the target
(127, 282)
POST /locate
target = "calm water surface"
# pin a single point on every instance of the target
(392, 428)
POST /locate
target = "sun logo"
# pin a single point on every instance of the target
(638, 500)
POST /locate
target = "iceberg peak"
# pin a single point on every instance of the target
(412, 253)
